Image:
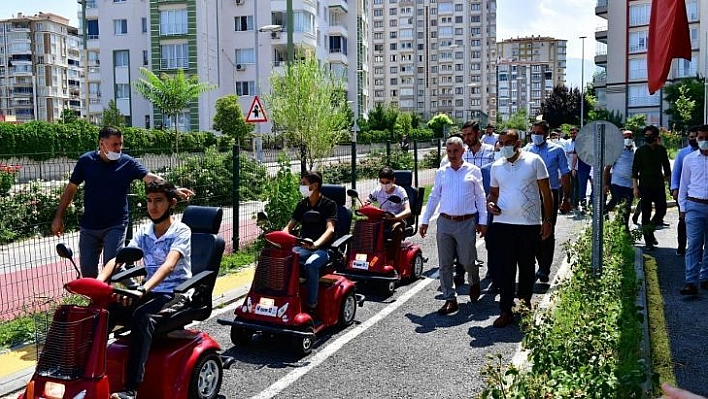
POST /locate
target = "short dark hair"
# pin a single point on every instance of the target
(313, 177)
(162, 186)
(651, 129)
(702, 128)
(543, 124)
(471, 124)
(386, 173)
(573, 128)
(489, 125)
(695, 128)
(108, 131)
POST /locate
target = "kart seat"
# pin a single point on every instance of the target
(404, 178)
(338, 194)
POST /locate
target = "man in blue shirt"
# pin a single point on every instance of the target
(619, 182)
(676, 183)
(553, 156)
(107, 173)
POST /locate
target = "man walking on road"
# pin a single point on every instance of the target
(519, 224)
(107, 173)
(459, 193)
(675, 183)
(556, 163)
(648, 182)
(693, 203)
(619, 182)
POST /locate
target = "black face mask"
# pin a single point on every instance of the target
(693, 143)
(650, 139)
(162, 218)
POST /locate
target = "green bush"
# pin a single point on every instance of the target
(421, 134)
(283, 195)
(588, 345)
(431, 160)
(7, 178)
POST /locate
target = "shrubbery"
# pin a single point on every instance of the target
(367, 168)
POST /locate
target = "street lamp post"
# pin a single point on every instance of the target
(582, 83)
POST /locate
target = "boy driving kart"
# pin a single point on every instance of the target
(399, 210)
(166, 246)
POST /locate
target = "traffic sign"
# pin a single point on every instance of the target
(256, 113)
(585, 143)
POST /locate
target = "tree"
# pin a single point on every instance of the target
(416, 120)
(563, 106)
(308, 105)
(229, 118)
(518, 120)
(383, 118)
(405, 122)
(112, 116)
(68, 116)
(605, 115)
(438, 123)
(171, 94)
(680, 96)
(636, 123)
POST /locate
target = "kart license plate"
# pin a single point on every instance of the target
(360, 264)
(266, 307)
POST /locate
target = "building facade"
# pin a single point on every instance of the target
(235, 45)
(432, 57)
(621, 83)
(527, 70)
(40, 68)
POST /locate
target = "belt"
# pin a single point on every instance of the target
(699, 200)
(456, 218)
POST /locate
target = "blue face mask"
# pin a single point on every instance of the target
(703, 145)
(537, 139)
(507, 151)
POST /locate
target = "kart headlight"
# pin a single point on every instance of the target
(54, 390)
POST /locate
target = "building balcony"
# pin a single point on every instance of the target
(93, 42)
(338, 30)
(601, 34)
(341, 4)
(337, 56)
(280, 39)
(601, 8)
(601, 59)
(599, 80)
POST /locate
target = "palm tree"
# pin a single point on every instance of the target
(171, 94)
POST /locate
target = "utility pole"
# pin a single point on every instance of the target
(87, 91)
(582, 84)
(290, 26)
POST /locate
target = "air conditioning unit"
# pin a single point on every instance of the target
(240, 2)
(275, 35)
(240, 67)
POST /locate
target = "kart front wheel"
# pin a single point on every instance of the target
(348, 310)
(206, 377)
(416, 267)
(303, 345)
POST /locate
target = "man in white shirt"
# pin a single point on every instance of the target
(516, 180)
(489, 136)
(461, 205)
(569, 148)
(693, 203)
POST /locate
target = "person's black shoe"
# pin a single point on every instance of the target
(177, 303)
(656, 242)
(479, 262)
(542, 276)
(449, 307)
(689, 289)
(680, 252)
(127, 394)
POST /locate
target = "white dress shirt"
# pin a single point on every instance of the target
(694, 178)
(463, 193)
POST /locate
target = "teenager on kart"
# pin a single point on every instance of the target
(399, 211)
(166, 246)
(319, 234)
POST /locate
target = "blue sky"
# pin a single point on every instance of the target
(561, 19)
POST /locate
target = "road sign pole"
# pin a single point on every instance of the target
(598, 199)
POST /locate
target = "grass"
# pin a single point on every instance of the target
(237, 260)
(661, 360)
(428, 189)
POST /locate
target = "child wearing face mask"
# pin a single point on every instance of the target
(387, 188)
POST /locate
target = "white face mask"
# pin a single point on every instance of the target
(386, 187)
(305, 191)
(628, 142)
(537, 139)
(113, 156)
(703, 145)
(555, 141)
(507, 151)
(497, 155)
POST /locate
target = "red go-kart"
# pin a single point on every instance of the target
(274, 303)
(369, 258)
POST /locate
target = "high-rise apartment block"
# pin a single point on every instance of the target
(527, 70)
(433, 57)
(234, 44)
(621, 83)
(40, 68)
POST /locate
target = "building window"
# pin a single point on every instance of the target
(246, 88)
(121, 58)
(245, 56)
(692, 10)
(173, 22)
(122, 91)
(637, 68)
(639, 14)
(120, 26)
(685, 69)
(243, 23)
(638, 41)
(174, 56)
(638, 96)
(144, 24)
(146, 59)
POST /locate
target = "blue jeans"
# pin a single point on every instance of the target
(311, 262)
(93, 241)
(697, 232)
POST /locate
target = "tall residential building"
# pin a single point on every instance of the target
(40, 68)
(621, 82)
(527, 70)
(234, 44)
(433, 57)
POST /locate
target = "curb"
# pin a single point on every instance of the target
(645, 345)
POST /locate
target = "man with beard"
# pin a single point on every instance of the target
(676, 182)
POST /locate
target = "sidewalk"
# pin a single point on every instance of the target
(686, 317)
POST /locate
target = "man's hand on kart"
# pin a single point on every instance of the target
(307, 243)
(126, 300)
(389, 216)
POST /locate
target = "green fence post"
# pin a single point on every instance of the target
(439, 149)
(354, 164)
(415, 162)
(388, 152)
(236, 194)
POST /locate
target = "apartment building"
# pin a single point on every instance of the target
(435, 56)
(527, 70)
(621, 83)
(40, 68)
(233, 44)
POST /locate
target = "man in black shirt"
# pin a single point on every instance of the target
(648, 181)
(319, 234)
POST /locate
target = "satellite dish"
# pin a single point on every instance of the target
(585, 142)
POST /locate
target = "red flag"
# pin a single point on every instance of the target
(668, 39)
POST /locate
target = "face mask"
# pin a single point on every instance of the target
(305, 191)
(386, 187)
(628, 142)
(703, 145)
(693, 143)
(650, 139)
(497, 155)
(113, 156)
(537, 139)
(162, 218)
(507, 151)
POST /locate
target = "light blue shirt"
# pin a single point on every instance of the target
(553, 156)
(678, 165)
(177, 238)
(622, 168)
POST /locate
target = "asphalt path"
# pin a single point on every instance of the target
(399, 346)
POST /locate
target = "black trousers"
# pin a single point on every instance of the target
(657, 197)
(546, 248)
(141, 316)
(525, 239)
(622, 196)
(681, 237)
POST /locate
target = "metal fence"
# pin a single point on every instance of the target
(32, 275)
